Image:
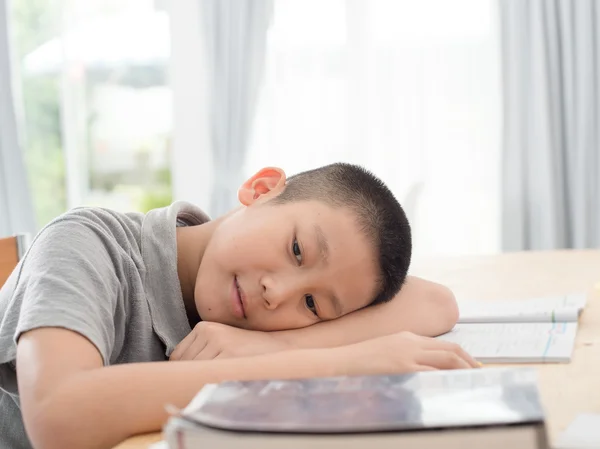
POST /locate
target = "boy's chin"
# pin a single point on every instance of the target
(222, 317)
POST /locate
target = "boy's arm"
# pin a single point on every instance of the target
(69, 400)
(422, 307)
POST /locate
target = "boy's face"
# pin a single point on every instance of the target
(274, 267)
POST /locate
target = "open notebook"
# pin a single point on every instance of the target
(519, 331)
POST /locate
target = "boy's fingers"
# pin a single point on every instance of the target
(209, 352)
(194, 349)
(435, 344)
(442, 360)
(182, 346)
(425, 368)
(467, 357)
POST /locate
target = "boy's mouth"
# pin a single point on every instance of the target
(238, 299)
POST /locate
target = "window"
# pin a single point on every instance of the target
(96, 116)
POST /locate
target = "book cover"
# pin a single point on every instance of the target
(426, 400)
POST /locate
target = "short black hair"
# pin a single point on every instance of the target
(379, 214)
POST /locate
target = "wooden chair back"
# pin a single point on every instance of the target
(11, 251)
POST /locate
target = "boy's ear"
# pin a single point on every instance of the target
(266, 183)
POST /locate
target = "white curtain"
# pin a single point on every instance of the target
(235, 37)
(409, 89)
(16, 209)
(551, 188)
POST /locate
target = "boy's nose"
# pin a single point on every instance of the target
(276, 293)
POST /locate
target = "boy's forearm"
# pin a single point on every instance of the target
(102, 407)
(422, 307)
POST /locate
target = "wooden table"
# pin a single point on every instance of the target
(567, 389)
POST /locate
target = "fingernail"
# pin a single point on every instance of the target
(480, 364)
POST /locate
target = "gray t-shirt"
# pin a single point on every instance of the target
(109, 276)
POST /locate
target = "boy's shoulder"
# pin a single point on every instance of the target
(91, 270)
(93, 215)
(179, 213)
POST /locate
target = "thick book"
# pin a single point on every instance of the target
(535, 330)
(489, 408)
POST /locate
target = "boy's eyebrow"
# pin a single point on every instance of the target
(324, 251)
(322, 243)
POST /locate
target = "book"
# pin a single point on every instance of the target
(564, 308)
(516, 342)
(451, 409)
(536, 330)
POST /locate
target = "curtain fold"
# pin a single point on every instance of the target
(16, 207)
(551, 96)
(235, 37)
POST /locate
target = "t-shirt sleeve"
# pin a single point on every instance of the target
(68, 279)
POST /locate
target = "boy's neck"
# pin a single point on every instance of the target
(191, 243)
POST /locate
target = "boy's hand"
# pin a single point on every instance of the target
(214, 340)
(402, 352)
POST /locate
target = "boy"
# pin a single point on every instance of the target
(99, 291)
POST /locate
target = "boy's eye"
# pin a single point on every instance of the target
(310, 304)
(296, 251)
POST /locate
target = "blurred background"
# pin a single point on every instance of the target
(481, 115)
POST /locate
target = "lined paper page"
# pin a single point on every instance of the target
(548, 309)
(516, 342)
